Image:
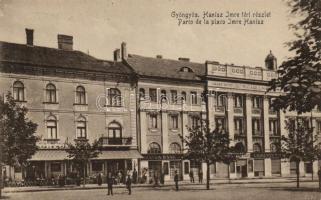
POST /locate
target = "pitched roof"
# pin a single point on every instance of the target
(51, 58)
(165, 68)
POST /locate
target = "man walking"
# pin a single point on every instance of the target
(129, 184)
(200, 176)
(319, 175)
(110, 182)
(176, 180)
(191, 176)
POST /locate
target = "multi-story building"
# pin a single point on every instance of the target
(72, 96)
(169, 100)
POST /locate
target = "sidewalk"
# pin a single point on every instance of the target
(167, 183)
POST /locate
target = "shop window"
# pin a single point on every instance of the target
(186, 168)
(55, 167)
(97, 166)
(232, 167)
(166, 168)
(213, 168)
(308, 167)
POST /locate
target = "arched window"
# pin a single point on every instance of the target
(141, 93)
(81, 128)
(154, 148)
(18, 91)
(80, 95)
(114, 97)
(239, 147)
(175, 148)
(273, 147)
(257, 148)
(114, 133)
(51, 93)
(51, 123)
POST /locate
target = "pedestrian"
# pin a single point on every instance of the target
(162, 178)
(176, 180)
(319, 175)
(129, 185)
(134, 176)
(156, 179)
(200, 176)
(191, 176)
(99, 179)
(110, 182)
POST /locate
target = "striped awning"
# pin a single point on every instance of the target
(49, 155)
(121, 154)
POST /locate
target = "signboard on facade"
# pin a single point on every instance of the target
(272, 155)
(163, 156)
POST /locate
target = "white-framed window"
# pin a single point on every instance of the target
(141, 93)
(51, 124)
(18, 91)
(174, 96)
(220, 123)
(221, 100)
(256, 126)
(81, 128)
(114, 97)
(195, 121)
(183, 97)
(193, 98)
(51, 93)
(273, 126)
(154, 148)
(153, 121)
(175, 148)
(174, 121)
(238, 101)
(238, 125)
(256, 102)
(80, 95)
(257, 148)
(114, 130)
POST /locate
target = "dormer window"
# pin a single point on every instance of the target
(186, 69)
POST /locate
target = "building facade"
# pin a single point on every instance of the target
(72, 96)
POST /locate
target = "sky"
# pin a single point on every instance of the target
(99, 27)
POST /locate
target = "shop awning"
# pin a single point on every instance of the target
(121, 154)
(49, 155)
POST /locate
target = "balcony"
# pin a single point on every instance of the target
(238, 110)
(116, 141)
(272, 112)
(219, 109)
(256, 111)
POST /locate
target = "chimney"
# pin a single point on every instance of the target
(124, 54)
(159, 56)
(184, 59)
(117, 55)
(65, 42)
(29, 35)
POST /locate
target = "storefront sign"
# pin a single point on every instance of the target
(266, 155)
(162, 156)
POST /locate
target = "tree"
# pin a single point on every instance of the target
(207, 146)
(81, 152)
(299, 144)
(19, 140)
(300, 75)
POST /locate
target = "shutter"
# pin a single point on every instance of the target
(259, 165)
(276, 166)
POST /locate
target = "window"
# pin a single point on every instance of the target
(97, 166)
(273, 147)
(55, 167)
(80, 95)
(195, 121)
(221, 100)
(153, 94)
(257, 148)
(239, 147)
(194, 98)
(174, 96)
(175, 148)
(273, 127)
(114, 130)
(163, 96)
(51, 96)
(220, 123)
(186, 69)
(256, 127)
(153, 121)
(154, 148)
(238, 125)
(174, 121)
(141, 93)
(183, 97)
(114, 97)
(238, 101)
(256, 102)
(186, 168)
(319, 126)
(52, 128)
(271, 99)
(81, 128)
(18, 91)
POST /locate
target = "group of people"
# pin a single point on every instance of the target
(111, 180)
(200, 176)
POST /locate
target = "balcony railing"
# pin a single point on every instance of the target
(238, 110)
(220, 109)
(116, 141)
(256, 110)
